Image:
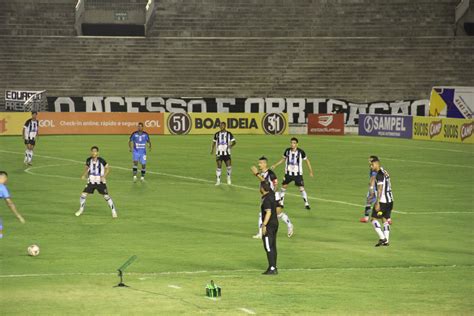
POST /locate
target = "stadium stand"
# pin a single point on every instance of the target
(284, 48)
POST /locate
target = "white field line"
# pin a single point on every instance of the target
(174, 286)
(238, 186)
(247, 311)
(396, 145)
(429, 163)
(235, 271)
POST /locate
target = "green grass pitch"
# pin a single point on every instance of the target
(185, 231)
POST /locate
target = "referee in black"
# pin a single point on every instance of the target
(269, 226)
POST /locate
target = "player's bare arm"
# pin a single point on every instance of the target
(308, 163)
(149, 144)
(279, 162)
(130, 145)
(371, 188)
(84, 173)
(233, 143)
(257, 174)
(106, 172)
(379, 195)
(12, 208)
(213, 146)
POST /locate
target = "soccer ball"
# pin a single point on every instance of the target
(33, 250)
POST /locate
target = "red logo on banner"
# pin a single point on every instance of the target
(326, 124)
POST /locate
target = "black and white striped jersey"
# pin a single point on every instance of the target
(30, 129)
(271, 177)
(223, 142)
(383, 178)
(294, 161)
(96, 169)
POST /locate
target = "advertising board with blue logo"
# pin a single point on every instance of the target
(398, 126)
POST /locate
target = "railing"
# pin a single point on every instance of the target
(461, 9)
(80, 9)
(149, 15)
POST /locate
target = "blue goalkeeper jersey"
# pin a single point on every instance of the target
(4, 194)
(139, 141)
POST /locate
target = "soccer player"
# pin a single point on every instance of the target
(96, 170)
(223, 142)
(138, 142)
(5, 195)
(384, 203)
(269, 226)
(293, 158)
(265, 174)
(371, 196)
(30, 136)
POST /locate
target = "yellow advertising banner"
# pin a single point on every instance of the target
(11, 123)
(237, 123)
(443, 129)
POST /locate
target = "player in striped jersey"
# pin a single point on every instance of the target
(371, 196)
(30, 136)
(265, 174)
(384, 203)
(5, 195)
(138, 142)
(96, 169)
(223, 142)
(293, 158)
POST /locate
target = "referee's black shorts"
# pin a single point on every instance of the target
(385, 209)
(100, 187)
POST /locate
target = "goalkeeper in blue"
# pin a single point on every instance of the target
(371, 194)
(138, 145)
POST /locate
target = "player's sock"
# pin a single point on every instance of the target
(285, 218)
(82, 200)
(31, 155)
(367, 210)
(304, 196)
(143, 172)
(218, 174)
(229, 171)
(110, 202)
(378, 229)
(26, 156)
(282, 193)
(386, 230)
(135, 170)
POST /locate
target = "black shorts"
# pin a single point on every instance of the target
(385, 208)
(100, 187)
(224, 158)
(30, 141)
(298, 180)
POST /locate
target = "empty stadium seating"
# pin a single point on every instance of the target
(37, 17)
(353, 49)
(305, 18)
(353, 68)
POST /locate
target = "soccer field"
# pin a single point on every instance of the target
(185, 231)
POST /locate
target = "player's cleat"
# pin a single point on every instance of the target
(386, 244)
(218, 182)
(381, 242)
(29, 164)
(271, 272)
(258, 236)
(290, 231)
(229, 182)
(307, 207)
(142, 179)
(79, 212)
(114, 214)
(364, 219)
(134, 178)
